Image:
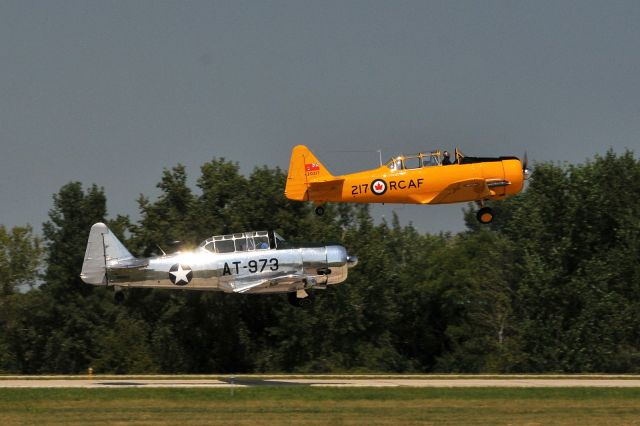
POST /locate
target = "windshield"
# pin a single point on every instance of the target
(395, 164)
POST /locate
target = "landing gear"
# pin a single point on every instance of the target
(485, 215)
(320, 210)
(301, 302)
(118, 297)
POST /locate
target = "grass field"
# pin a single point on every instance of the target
(307, 405)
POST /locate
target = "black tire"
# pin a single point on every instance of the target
(118, 297)
(305, 302)
(485, 215)
(319, 210)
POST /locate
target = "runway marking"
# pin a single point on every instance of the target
(248, 381)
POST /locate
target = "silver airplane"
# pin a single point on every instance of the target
(248, 262)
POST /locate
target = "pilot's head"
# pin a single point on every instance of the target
(446, 153)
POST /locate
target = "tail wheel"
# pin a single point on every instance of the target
(485, 215)
(319, 210)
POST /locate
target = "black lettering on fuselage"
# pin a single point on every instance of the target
(402, 184)
(253, 266)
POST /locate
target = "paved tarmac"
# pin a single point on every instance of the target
(353, 381)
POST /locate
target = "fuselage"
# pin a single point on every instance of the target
(280, 270)
(423, 185)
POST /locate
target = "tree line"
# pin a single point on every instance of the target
(552, 285)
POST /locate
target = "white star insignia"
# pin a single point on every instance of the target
(180, 274)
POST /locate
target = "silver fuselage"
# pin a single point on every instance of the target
(257, 271)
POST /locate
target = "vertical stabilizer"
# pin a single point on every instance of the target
(103, 248)
(304, 168)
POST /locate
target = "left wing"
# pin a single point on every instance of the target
(250, 286)
(464, 190)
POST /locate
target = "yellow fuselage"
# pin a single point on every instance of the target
(426, 185)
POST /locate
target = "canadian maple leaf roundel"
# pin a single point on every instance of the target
(378, 186)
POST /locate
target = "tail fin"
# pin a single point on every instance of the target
(304, 168)
(103, 250)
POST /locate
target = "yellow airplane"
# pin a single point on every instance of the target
(424, 178)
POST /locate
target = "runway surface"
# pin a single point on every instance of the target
(351, 381)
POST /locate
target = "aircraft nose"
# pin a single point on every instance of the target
(337, 256)
(514, 174)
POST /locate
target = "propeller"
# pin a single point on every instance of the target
(525, 170)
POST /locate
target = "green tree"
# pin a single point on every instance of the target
(577, 232)
(20, 259)
(476, 277)
(167, 220)
(73, 319)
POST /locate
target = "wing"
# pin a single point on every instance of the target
(464, 190)
(253, 285)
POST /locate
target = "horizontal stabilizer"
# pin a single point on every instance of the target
(132, 263)
(333, 185)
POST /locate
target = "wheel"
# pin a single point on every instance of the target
(319, 210)
(293, 299)
(485, 215)
(304, 302)
(118, 296)
(307, 302)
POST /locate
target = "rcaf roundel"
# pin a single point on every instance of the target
(378, 186)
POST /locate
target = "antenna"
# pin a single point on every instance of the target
(379, 151)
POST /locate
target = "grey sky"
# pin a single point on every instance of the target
(112, 92)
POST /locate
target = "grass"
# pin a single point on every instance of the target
(307, 405)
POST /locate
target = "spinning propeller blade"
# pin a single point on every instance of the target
(525, 170)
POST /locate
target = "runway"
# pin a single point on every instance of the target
(319, 381)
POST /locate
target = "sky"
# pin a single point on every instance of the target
(114, 92)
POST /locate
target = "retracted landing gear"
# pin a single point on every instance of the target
(301, 298)
(485, 215)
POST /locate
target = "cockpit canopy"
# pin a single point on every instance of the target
(244, 241)
(415, 161)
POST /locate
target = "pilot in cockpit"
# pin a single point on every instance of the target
(446, 160)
